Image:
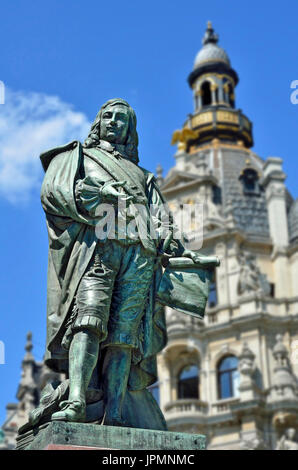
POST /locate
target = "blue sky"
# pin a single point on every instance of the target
(60, 60)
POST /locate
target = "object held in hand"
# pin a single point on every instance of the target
(185, 284)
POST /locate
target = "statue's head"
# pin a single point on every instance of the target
(116, 123)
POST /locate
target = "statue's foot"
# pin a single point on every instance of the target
(71, 411)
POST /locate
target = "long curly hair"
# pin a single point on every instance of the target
(132, 140)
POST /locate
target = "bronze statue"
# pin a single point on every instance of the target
(105, 319)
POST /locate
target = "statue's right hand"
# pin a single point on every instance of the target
(110, 193)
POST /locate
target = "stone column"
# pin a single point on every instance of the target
(274, 185)
(205, 381)
(213, 94)
(221, 94)
(164, 376)
(275, 189)
(226, 93)
(222, 276)
(199, 99)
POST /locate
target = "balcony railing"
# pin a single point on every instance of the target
(186, 406)
(223, 406)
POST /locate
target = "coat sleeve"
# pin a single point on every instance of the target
(162, 220)
(64, 194)
(88, 194)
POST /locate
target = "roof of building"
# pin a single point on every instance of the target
(248, 207)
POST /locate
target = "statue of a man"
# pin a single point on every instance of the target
(103, 322)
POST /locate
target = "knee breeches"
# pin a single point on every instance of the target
(112, 294)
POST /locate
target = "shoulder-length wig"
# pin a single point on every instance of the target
(132, 140)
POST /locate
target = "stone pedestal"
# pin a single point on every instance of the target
(82, 436)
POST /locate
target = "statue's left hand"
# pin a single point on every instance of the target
(204, 261)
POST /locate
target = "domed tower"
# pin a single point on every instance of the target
(213, 81)
(232, 203)
(214, 146)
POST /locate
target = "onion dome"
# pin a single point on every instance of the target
(213, 82)
(210, 51)
(211, 58)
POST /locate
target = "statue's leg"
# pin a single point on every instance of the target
(93, 300)
(130, 295)
(116, 369)
(83, 356)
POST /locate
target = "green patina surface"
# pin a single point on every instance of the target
(109, 437)
(105, 319)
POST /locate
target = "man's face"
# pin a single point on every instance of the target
(114, 124)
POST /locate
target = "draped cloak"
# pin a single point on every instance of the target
(72, 241)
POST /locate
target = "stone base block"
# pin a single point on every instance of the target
(82, 436)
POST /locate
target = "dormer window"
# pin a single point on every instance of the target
(250, 181)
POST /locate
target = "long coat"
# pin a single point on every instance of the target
(72, 241)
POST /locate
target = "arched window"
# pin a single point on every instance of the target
(188, 382)
(206, 94)
(228, 377)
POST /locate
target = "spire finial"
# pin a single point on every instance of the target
(246, 351)
(159, 172)
(29, 344)
(210, 35)
(279, 348)
(28, 347)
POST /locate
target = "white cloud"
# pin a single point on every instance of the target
(31, 123)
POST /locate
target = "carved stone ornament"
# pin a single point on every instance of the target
(288, 441)
(250, 278)
(246, 361)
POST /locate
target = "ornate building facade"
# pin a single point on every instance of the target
(34, 376)
(233, 375)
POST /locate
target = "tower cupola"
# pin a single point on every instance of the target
(213, 81)
(213, 78)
